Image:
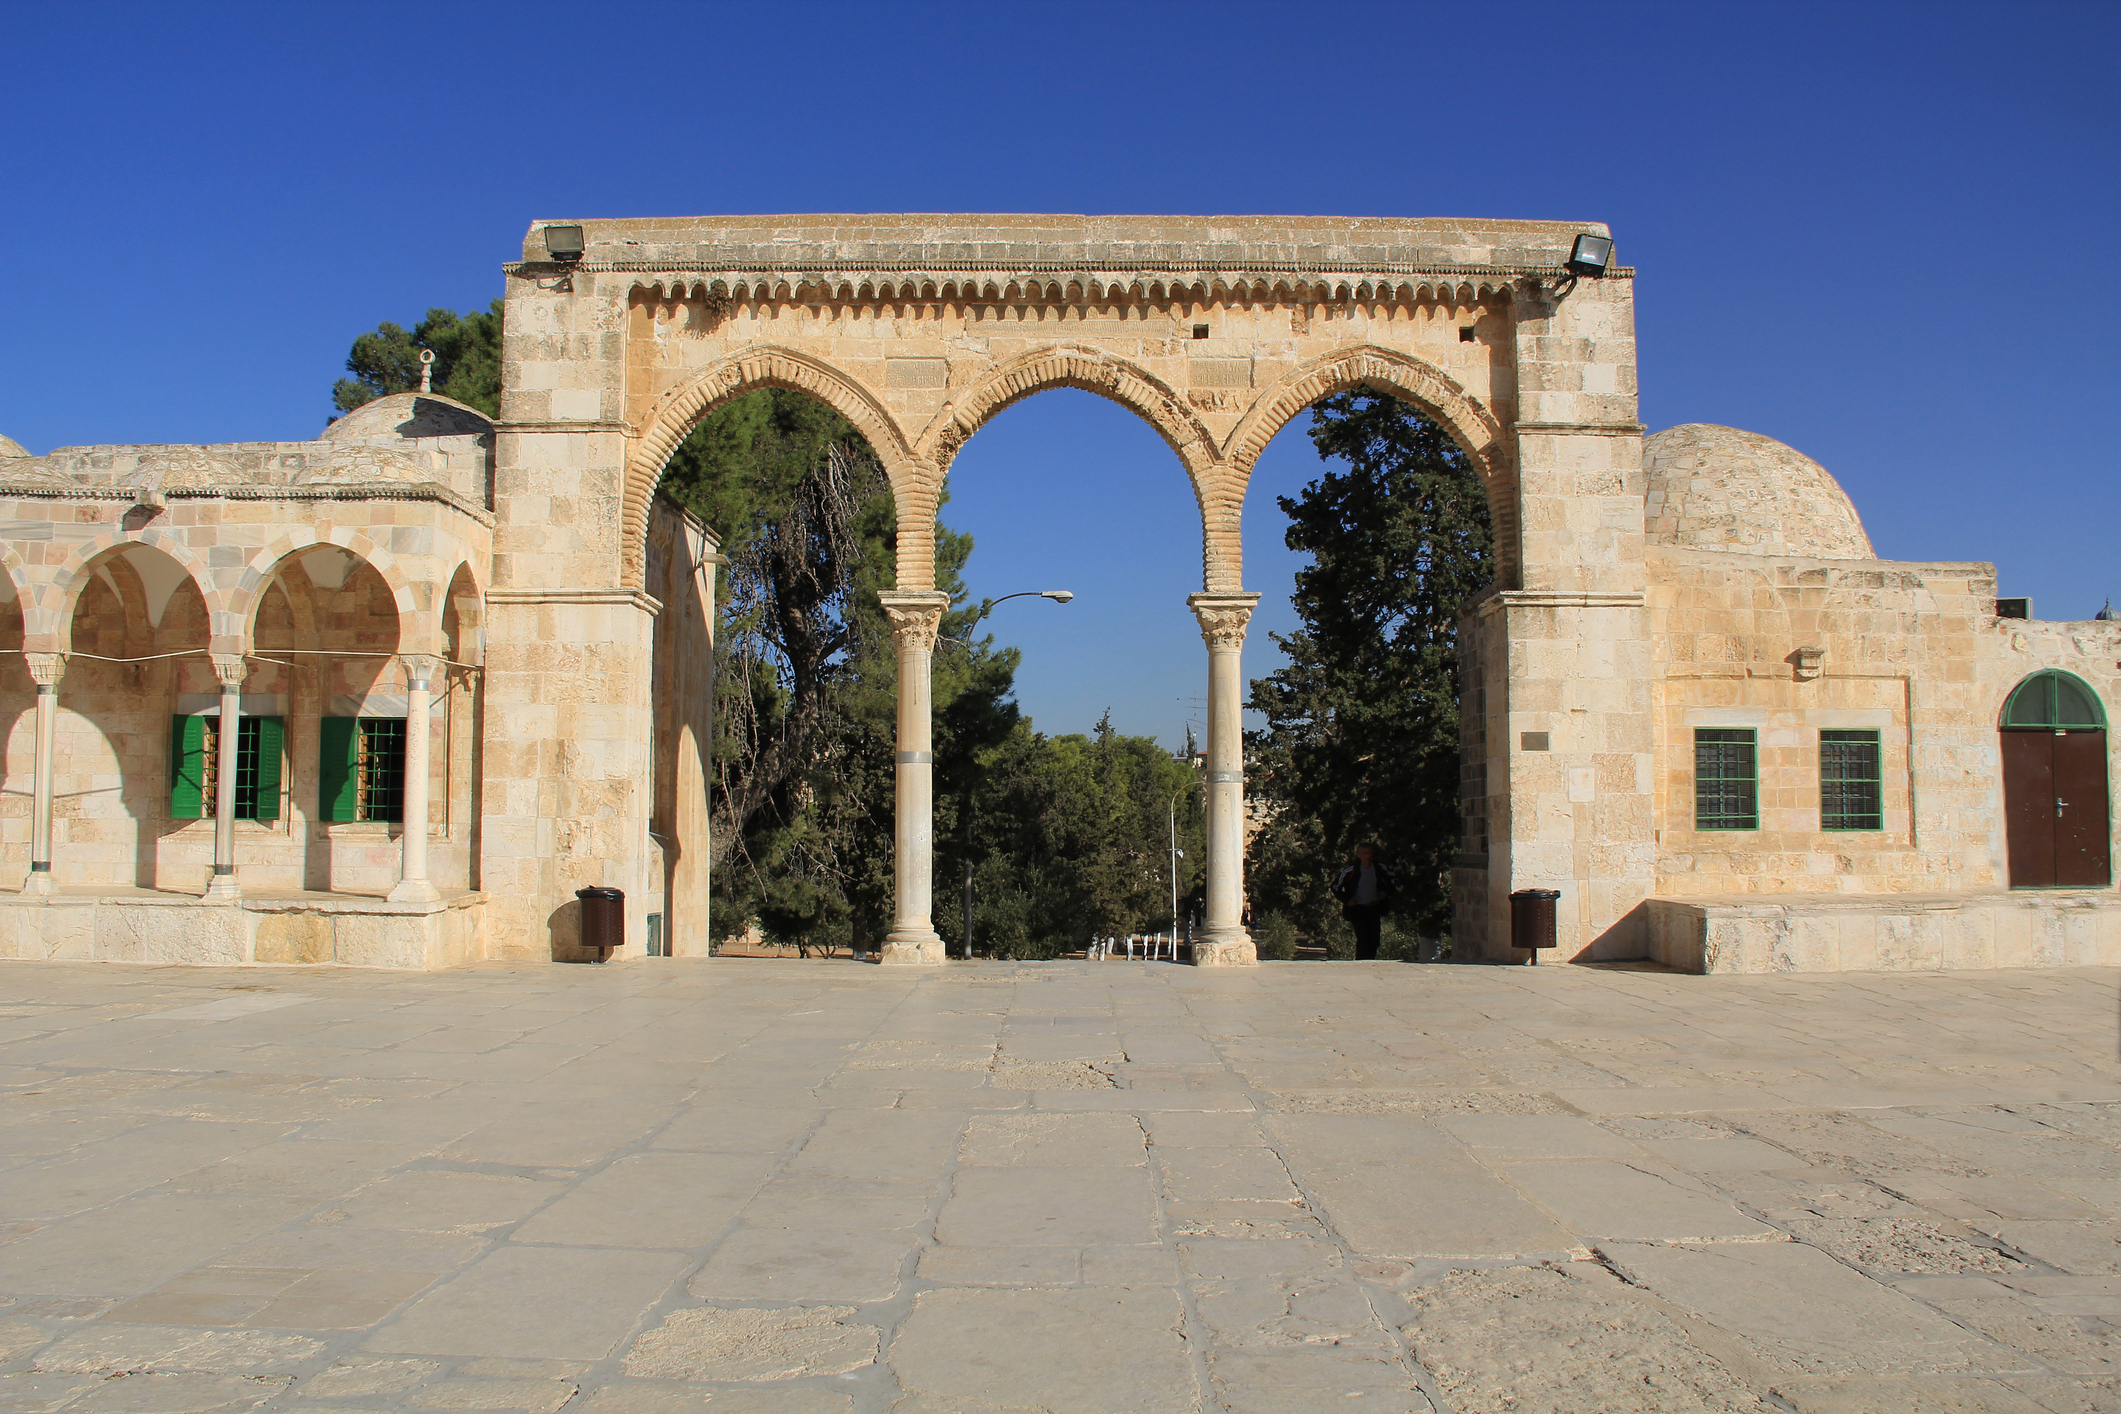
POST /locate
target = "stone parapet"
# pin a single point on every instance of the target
(1889, 933)
(180, 929)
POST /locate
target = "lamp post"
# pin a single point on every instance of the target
(1176, 855)
(1058, 596)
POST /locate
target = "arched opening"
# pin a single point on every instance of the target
(137, 675)
(770, 758)
(325, 633)
(18, 740)
(460, 708)
(1060, 814)
(1372, 525)
(2058, 821)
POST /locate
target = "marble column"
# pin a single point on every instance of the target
(413, 884)
(1222, 623)
(46, 669)
(231, 669)
(915, 619)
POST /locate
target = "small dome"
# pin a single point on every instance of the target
(1717, 488)
(404, 416)
(9, 447)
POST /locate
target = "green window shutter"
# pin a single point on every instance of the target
(187, 768)
(272, 736)
(338, 756)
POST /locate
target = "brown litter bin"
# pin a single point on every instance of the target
(1532, 920)
(603, 919)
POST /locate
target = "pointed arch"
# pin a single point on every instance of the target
(673, 416)
(1070, 366)
(48, 620)
(416, 634)
(1430, 389)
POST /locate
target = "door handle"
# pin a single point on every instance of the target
(2058, 808)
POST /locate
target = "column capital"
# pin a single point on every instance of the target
(231, 669)
(916, 616)
(420, 669)
(45, 669)
(1223, 617)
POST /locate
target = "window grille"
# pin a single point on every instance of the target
(1726, 779)
(379, 773)
(1851, 781)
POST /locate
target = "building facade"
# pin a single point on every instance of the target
(1696, 703)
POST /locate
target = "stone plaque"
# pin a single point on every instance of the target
(1219, 372)
(916, 373)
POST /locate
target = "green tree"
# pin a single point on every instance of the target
(467, 367)
(1071, 840)
(1361, 741)
(806, 703)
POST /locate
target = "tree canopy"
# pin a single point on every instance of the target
(467, 367)
(1361, 742)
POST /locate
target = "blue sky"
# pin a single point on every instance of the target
(1882, 233)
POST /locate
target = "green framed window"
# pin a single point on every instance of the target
(361, 768)
(195, 760)
(1726, 778)
(1851, 781)
(2053, 701)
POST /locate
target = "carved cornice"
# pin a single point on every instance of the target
(739, 271)
(1223, 618)
(916, 617)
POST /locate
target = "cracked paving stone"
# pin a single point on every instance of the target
(1533, 1338)
(708, 1343)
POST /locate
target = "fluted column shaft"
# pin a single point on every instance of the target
(915, 617)
(46, 669)
(1223, 618)
(231, 670)
(413, 884)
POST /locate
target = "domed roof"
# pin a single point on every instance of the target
(1717, 488)
(403, 416)
(9, 447)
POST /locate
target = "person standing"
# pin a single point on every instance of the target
(1364, 888)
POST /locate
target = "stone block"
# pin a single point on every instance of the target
(291, 938)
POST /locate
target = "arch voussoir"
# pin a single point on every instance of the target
(673, 416)
(1471, 425)
(1071, 366)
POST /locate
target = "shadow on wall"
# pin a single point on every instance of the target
(1627, 940)
(565, 925)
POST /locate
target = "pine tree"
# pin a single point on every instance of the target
(1361, 742)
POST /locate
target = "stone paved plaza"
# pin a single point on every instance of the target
(758, 1187)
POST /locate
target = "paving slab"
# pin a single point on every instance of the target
(1839, 1323)
(750, 1187)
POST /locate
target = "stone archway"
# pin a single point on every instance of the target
(1215, 330)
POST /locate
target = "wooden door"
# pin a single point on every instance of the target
(2083, 826)
(2029, 807)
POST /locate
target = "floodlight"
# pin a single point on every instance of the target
(564, 243)
(1591, 256)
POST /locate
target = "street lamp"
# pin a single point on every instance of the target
(1176, 855)
(1058, 596)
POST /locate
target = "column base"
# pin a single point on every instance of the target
(415, 891)
(223, 889)
(913, 950)
(39, 884)
(1229, 950)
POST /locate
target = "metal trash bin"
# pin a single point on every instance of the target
(1532, 920)
(603, 918)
